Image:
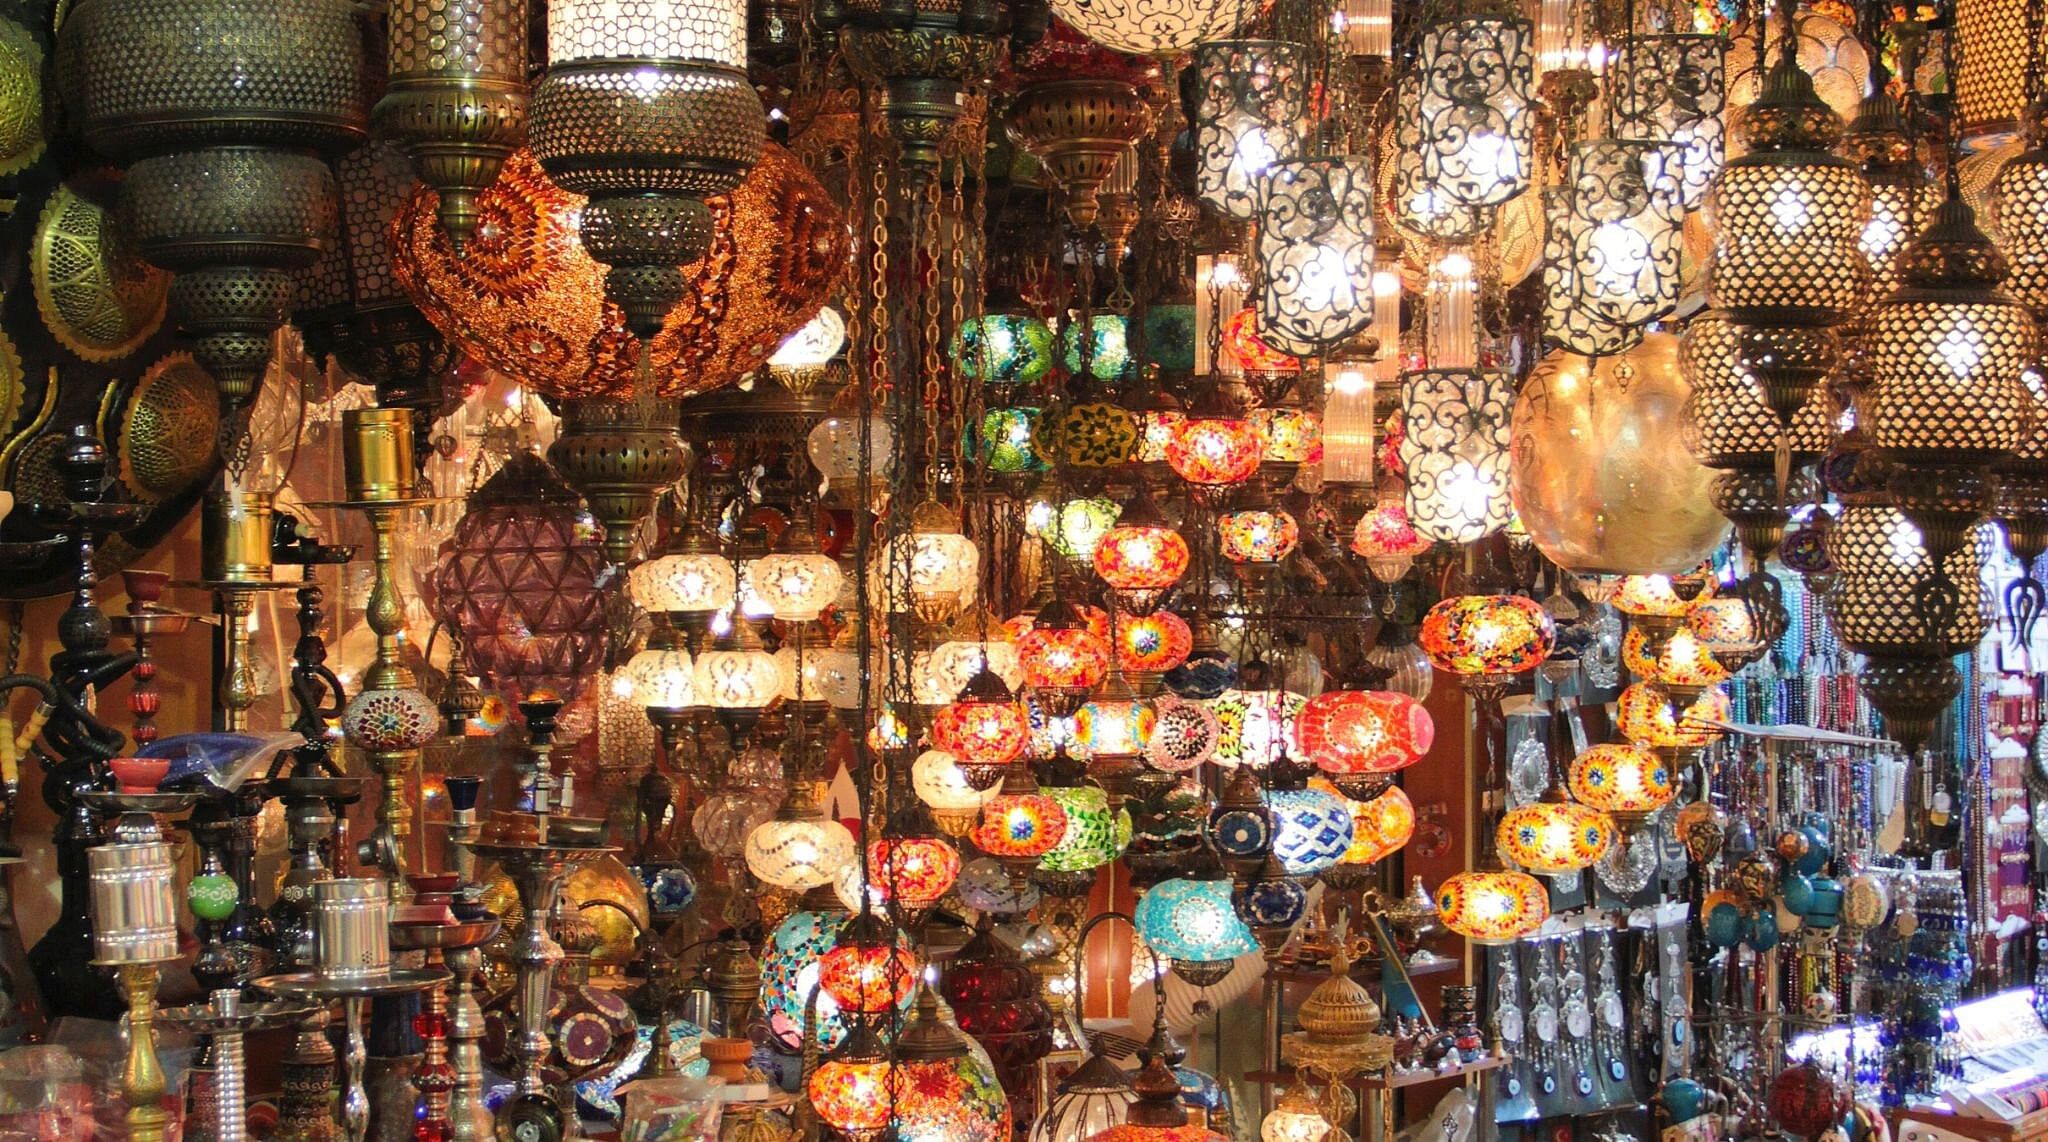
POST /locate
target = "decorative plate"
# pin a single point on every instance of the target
(98, 298)
(162, 428)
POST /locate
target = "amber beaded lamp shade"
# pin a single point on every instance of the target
(2019, 195)
(1992, 61)
(520, 582)
(526, 300)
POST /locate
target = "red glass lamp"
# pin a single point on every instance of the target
(1141, 558)
(1063, 659)
(1214, 447)
(1022, 823)
(914, 872)
(851, 1093)
(1487, 639)
(1364, 732)
(985, 730)
(871, 969)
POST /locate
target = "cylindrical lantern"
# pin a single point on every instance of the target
(1455, 449)
(1673, 89)
(457, 99)
(1251, 112)
(1315, 252)
(646, 109)
(1622, 231)
(1476, 106)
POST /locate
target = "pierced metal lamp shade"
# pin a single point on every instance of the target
(1080, 129)
(1992, 64)
(221, 109)
(1575, 327)
(1251, 113)
(1673, 91)
(1417, 206)
(646, 109)
(2019, 197)
(1622, 230)
(1476, 106)
(1163, 28)
(1901, 197)
(1315, 251)
(1455, 448)
(456, 103)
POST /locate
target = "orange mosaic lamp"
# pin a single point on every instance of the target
(1487, 639)
(1623, 780)
(1492, 906)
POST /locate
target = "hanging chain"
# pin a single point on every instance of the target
(925, 272)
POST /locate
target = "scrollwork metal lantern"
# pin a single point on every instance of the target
(1251, 113)
(646, 109)
(1315, 252)
(1673, 89)
(1476, 108)
(1417, 205)
(1455, 446)
(1623, 230)
(1575, 327)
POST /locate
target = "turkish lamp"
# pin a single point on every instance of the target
(1485, 640)
(850, 1091)
(1193, 925)
(1251, 112)
(912, 865)
(1094, 1098)
(871, 969)
(1622, 230)
(1063, 659)
(1387, 541)
(1554, 835)
(1397, 663)
(1158, 1115)
(1142, 557)
(646, 110)
(456, 102)
(738, 678)
(796, 581)
(1676, 91)
(801, 848)
(938, 675)
(1726, 626)
(1315, 248)
(1020, 824)
(1455, 447)
(804, 357)
(691, 581)
(1295, 1118)
(938, 780)
(984, 729)
(1685, 667)
(1626, 781)
(1115, 728)
(1215, 447)
(1477, 109)
(842, 445)
(932, 569)
(1348, 419)
(1492, 906)
(1653, 606)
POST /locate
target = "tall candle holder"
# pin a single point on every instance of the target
(537, 872)
(234, 561)
(352, 922)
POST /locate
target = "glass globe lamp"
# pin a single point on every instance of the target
(1008, 440)
(1288, 435)
(838, 451)
(1141, 558)
(945, 1087)
(1257, 535)
(1115, 727)
(1726, 626)
(1184, 735)
(1192, 923)
(938, 781)
(1312, 829)
(1295, 1118)
(933, 566)
(1147, 646)
(1625, 781)
(789, 978)
(829, 674)
(1095, 835)
(914, 872)
(1021, 823)
(871, 967)
(799, 363)
(1005, 350)
(1063, 659)
(801, 848)
(1077, 527)
(738, 678)
(938, 675)
(1387, 541)
(1348, 732)
(1685, 667)
(1553, 837)
(1214, 451)
(661, 679)
(796, 581)
(1646, 715)
(684, 582)
(1109, 355)
(1400, 663)
(1492, 907)
(984, 730)
(852, 1095)
(1486, 639)
(1257, 726)
(1380, 827)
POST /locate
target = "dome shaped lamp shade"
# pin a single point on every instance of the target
(1485, 639)
(646, 109)
(1022, 823)
(1492, 907)
(1251, 112)
(985, 730)
(797, 586)
(1387, 541)
(661, 679)
(1213, 451)
(913, 873)
(1455, 447)
(800, 849)
(1312, 829)
(1192, 923)
(1149, 28)
(1476, 107)
(1315, 249)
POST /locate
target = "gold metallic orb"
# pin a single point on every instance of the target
(21, 98)
(162, 428)
(98, 297)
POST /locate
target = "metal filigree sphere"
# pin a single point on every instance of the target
(1151, 27)
(1476, 101)
(1251, 113)
(1455, 449)
(1315, 248)
(646, 109)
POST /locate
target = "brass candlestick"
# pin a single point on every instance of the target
(142, 1078)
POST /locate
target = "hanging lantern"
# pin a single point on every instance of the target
(1094, 1098)
(738, 674)
(1312, 829)
(1901, 195)
(1402, 664)
(851, 1095)
(1572, 326)
(1994, 66)
(1078, 128)
(1257, 726)
(944, 1087)
(1004, 350)
(1349, 418)
(985, 730)
(933, 569)
(1150, 645)
(1492, 907)
(1622, 230)
(1625, 781)
(1008, 440)
(1251, 112)
(2019, 198)
(870, 968)
(805, 356)
(1831, 53)
(938, 675)
(1554, 837)
(1486, 639)
(621, 457)
(661, 679)
(1419, 206)
(1214, 447)
(839, 452)
(938, 780)
(1454, 446)
(1673, 91)
(1151, 29)
(1063, 659)
(1787, 264)
(456, 102)
(1095, 834)
(1107, 348)
(801, 848)
(1192, 923)
(694, 579)
(830, 674)
(912, 873)
(647, 110)
(1115, 728)
(1647, 716)
(1257, 535)
(1388, 541)
(1351, 732)
(1141, 558)
(220, 112)
(1380, 827)
(519, 580)
(1184, 735)
(1478, 80)
(1077, 527)
(1315, 251)
(796, 581)
(1601, 476)
(1021, 823)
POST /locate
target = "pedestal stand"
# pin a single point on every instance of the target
(353, 993)
(226, 1019)
(441, 1074)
